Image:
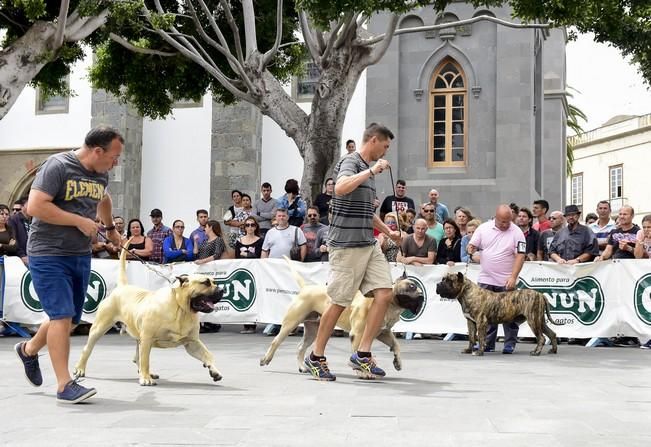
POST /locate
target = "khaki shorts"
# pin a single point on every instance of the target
(358, 268)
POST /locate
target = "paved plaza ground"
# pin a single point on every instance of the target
(580, 397)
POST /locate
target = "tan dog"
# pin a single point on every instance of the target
(313, 300)
(165, 318)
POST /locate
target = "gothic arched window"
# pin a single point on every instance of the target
(448, 118)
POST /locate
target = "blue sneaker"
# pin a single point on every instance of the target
(319, 369)
(30, 363)
(508, 349)
(74, 393)
(487, 349)
(366, 366)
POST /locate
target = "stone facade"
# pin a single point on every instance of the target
(124, 185)
(235, 153)
(515, 131)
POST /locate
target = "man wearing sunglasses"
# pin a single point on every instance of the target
(557, 222)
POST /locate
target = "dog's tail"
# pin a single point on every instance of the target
(122, 271)
(298, 278)
(549, 315)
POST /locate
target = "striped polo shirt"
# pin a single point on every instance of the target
(351, 215)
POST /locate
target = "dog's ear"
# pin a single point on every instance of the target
(460, 276)
(182, 279)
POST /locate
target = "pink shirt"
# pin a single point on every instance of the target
(498, 251)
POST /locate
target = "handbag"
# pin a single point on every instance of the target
(295, 251)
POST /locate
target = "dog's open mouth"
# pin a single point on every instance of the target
(206, 303)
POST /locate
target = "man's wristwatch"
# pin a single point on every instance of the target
(109, 228)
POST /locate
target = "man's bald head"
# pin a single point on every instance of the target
(503, 217)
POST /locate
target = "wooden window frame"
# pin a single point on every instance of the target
(579, 196)
(448, 93)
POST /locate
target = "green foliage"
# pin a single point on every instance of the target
(33, 9)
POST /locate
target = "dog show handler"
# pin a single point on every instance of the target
(70, 189)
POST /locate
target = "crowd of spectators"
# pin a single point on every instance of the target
(298, 228)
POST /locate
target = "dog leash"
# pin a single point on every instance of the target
(393, 186)
(144, 262)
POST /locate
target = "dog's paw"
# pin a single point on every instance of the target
(467, 351)
(154, 376)
(147, 381)
(78, 372)
(264, 361)
(216, 376)
(479, 353)
(397, 363)
(553, 351)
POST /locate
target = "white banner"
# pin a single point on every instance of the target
(603, 299)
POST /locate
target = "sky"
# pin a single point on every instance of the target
(608, 83)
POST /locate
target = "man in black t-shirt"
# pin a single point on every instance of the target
(398, 203)
(621, 241)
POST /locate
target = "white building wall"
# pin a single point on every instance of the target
(628, 144)
(176, 165)
(22, 128)
(280, 157)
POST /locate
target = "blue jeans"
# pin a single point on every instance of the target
(61, 283)
(510, 329)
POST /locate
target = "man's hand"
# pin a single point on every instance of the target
(88, 226)
(510, 284)
(623, 245)
(114, 237)
(323, 248)
(395, 235)
(380, 166)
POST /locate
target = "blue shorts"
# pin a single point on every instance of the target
(61, 283)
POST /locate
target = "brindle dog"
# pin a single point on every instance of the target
(482, 307)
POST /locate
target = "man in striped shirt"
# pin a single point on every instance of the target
(356, 261)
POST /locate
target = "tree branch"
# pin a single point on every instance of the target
(234, 28)
(249, 27)
(222, 48)
(382, 47)
(269, 55)
(350, 26)
(83, 27)
(419, 29)
(333, 35)
(129, 46)
(309, 38)
(61, 23)
(199, 60)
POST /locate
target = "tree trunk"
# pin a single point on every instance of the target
(21, 61)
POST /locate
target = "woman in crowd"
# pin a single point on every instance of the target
(462, 216)
(449, 250)
(140, 245)
(388, 246)
(230, 218)
(322, 201)
(177, 248)
(249, 246)
(213, 248)
(643, 239)
(470, 230)
(293, 203)
(7, 240)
